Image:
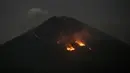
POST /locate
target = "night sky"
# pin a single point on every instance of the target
(110, 16)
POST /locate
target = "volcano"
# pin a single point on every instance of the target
(64, 45)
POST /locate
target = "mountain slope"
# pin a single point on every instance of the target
(29, 53)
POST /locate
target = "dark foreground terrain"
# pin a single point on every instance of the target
(29, 54)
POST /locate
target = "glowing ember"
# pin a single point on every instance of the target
(70, 47)
(80, 43)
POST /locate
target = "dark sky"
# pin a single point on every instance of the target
(110, 16)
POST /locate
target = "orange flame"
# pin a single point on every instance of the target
(70, 47)
(80, 43)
